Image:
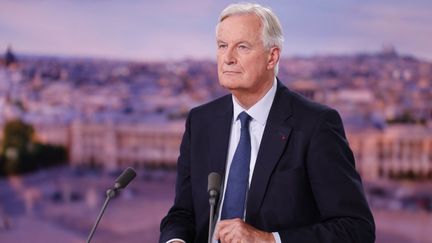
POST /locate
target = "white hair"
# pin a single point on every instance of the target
(272, 31)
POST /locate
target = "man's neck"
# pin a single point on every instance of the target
(247, 99)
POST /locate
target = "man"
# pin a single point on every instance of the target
(298, 183)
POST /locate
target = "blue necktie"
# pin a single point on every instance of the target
(238, 178)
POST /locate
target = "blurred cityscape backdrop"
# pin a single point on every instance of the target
(90, 88)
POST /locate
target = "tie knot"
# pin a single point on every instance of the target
(244, 119)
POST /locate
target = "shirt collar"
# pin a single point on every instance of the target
(261, 109)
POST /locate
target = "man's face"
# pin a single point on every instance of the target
(243, 61)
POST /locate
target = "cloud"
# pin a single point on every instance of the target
(48, 27)
(408, 27)
(108, 28)
(176, 29)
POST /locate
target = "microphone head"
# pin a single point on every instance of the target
(123, 180)
(214, 182)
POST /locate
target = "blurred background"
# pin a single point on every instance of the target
(88, 88)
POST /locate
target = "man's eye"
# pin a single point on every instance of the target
(222, 46)
(242, 47)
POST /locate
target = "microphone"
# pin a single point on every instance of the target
(214, 185)
(121, 182)
(213, 188)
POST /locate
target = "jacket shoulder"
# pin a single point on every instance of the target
(216, 107)
(306, 112)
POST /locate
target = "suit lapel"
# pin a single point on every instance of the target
(272, 145)
(219, 132)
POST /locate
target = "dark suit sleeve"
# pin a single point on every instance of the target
(336, 187)
(179, 222)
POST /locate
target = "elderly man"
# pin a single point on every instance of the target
(289, 174)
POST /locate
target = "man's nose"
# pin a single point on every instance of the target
(230, 57)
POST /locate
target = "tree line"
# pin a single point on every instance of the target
(22, 153)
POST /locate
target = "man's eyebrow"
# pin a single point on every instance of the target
(236, 43)
(244, 42)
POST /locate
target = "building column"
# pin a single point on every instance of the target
(76, 143)
(370, 157)
(110, 155)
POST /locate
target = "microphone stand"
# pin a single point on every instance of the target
(212, 201)
(121, 182)
(109, 194)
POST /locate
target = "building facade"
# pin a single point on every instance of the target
(396, 152)
(111, 146)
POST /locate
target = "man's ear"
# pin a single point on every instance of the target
(273, 58)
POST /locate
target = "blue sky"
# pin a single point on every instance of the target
(167, 30)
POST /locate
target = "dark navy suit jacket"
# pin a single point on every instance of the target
(304, 185)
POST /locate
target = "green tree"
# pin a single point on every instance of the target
(17, 143)
(21, 153)
(48, 155)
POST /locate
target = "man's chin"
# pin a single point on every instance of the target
(228, 86)
(229, 83)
